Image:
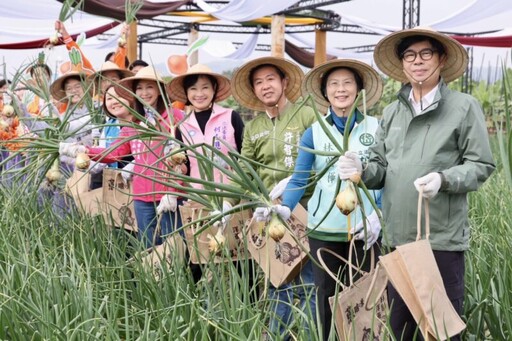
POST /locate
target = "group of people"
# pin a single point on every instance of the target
(431, 138)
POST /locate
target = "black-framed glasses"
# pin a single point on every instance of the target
(425, 54)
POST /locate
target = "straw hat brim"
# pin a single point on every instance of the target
(390, 64)
(241, 86)
(372, 82)
(99, 74)
(57, 87)
(125, 89)
(177, 92)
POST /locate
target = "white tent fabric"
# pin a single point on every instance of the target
(27, 20)
(226, 49)
(476, 11)
(245, 10)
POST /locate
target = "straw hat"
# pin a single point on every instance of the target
(241, 85)
(388, 61)
(110, 66)
(125, 85)
(177, 91)
(372, 82)
(57, 87)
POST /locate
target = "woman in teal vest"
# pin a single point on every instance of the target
(334, 86)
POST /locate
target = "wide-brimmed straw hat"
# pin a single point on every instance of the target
(110, 66)
(125, 86)
(390, 63)
(241, 84)
(372, 83)
(177, 91)
(57, 87)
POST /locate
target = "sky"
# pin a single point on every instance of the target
(384, 12)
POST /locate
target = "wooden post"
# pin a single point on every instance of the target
(131, 47)
(192, 37)
(277, 31)
(320, 46)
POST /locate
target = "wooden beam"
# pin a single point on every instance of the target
(320, 47)
(131, 46)
(192, 37)
(277, 30)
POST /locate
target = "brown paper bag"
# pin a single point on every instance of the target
(117, 200)
(360, 309)
(413, 271)
(198, 242)
(87, 202)
(158, 259)
(281, 262)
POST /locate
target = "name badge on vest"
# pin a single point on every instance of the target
(366, 139)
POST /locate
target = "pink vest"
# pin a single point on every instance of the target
(219, 127)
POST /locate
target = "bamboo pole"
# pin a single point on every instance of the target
(277, 31)
(131, 52)
(320, 46)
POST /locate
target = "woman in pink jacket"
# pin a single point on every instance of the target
(151, 196)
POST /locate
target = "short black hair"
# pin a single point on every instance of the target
(43, 66)
(408, 41)
(357, 77)
(110, 54)
(280, 72)
(137, 62)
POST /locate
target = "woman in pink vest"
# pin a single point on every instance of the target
(207, 122)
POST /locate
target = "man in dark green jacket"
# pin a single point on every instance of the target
(430, 137)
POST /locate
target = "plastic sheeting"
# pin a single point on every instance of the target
(246, 10)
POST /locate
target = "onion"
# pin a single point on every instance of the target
(178, 158)
(53, 175)
(216, 242)
(121, 41)
(276, 228)
(8, 110)
(54, 40)
(4, 125)
(346, 200)
(82, 161)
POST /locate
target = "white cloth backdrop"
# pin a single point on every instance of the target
(245, 10)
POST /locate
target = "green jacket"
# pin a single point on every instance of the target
(449, 137)
(272, 144)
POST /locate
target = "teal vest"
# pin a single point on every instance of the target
(325, 221)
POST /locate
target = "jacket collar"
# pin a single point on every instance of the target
(403, 96)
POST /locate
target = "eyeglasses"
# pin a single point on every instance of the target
(73, 88)
(425, 54)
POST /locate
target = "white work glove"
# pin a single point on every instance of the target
(127, 172)
(348, 165)
(71, 149)
(168, 203)
(372, 230)
(431, 184)
(278, 190)
(96, 167)
(226, 206)
(264, 213)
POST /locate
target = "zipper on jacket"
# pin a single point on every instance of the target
(274, 125)
(424, 141)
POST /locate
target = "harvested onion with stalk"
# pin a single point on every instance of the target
(131, 8)
(82, 161)
(54, 174)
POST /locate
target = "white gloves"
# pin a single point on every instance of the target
(127, 171)
(278, 190)
(71, 149)
(348, 165)
(96, 167)
(226, 206)
(264, 213)
(372, 230)
(168, 203)
(431, 184)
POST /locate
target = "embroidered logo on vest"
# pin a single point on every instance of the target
(366, 139)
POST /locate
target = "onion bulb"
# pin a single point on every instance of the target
(276, 228)
(53, 175)
(216, 242)
(178, 158)
(54, 39)
(8, 110)
(82, 161)
(346, 200)
(4, 126)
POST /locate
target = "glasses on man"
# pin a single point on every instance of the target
(425, 54)
(73, 88)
